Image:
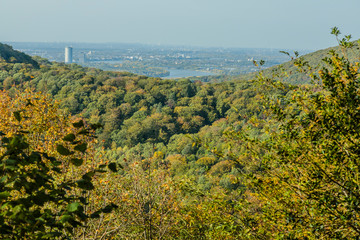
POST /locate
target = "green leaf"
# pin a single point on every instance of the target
(109, 208)
(335, 31)
(35, 157)
(40, 219)
(84, 132)
(17, 209)
(96, 126)
(77, 161)
(95, 214)
(85, 184)
(81, 147)
(52, 159)
(56, 169)
(4, 195)
(63, 150)
(41, 198)
(25, 132)
(73, 207)
(75, 142)
(56, 163)
(17, 116)
(3, 179)
(83, 200)
(112, 167)
(15, 141)
(65, 218)
(284, 52)
(69, 138)
(88, 176)
(11, 161)
(79, 124)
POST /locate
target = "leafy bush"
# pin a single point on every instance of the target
(38, 198)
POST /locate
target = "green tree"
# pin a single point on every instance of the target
(305, 175)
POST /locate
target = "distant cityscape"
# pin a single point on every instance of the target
(156, 61)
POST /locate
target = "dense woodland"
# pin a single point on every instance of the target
(92, 154)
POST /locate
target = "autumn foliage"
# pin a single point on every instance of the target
(258, 159)
(306, 183)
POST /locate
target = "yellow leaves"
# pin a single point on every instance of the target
(140, 91)
(221, 168)
(143, 108)
(106, 89)
(39, 115)
(176, 158)
(207, 161)
(130, 85)
(41, 118)
(132, 192)
(159, 154)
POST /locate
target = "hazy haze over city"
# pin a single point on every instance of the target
(228, 23)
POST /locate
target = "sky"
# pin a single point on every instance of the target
(282, 24)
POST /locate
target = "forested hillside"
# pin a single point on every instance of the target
(8, 54)
(150, 119)
(241, 159)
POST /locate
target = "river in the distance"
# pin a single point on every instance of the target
(182, 73)
(174, 73)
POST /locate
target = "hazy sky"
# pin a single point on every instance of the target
(296, 24)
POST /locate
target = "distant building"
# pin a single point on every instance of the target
(83, 58)
(68, 55)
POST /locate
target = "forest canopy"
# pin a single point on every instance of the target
(241, 159)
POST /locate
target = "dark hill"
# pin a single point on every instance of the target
(9, 55)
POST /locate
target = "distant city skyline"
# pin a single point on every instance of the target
(201, 23)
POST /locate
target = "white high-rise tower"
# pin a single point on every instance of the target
(68, 55)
